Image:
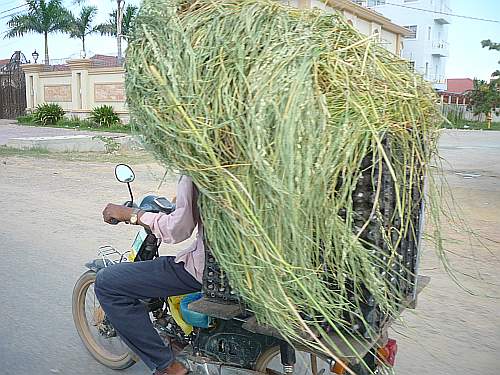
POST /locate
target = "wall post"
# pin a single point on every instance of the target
(80, 90)
(33, 87)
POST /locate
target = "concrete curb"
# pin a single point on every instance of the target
(76, 143)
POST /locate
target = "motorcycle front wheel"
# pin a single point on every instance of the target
(97, 334)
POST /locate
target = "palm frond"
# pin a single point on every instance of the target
(23, 24)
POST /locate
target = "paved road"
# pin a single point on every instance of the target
(50, 225)
(9, 129)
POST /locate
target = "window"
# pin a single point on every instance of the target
(412, 65)
(413, 30)
(429, 32)
(374, 3)
(426, 69)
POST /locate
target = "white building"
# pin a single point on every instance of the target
(427, 47)
(365, 20)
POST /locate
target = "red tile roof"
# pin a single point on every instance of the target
(459, 85)
(59, 67)
(104, 60)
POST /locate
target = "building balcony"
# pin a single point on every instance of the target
(440, 48)
(437, 79)
(443, 10)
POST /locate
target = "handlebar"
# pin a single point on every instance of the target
(150, 203)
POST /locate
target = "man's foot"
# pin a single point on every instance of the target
(176, 368)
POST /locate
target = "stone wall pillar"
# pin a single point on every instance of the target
(34, 93)
(80, 90)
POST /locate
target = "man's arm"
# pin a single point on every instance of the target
(173, 228)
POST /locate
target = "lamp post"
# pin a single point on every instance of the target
(35, 55)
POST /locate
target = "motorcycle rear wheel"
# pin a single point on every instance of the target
(81, 292)
(307, 363)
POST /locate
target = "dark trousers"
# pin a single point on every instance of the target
(119, 289)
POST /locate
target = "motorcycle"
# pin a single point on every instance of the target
(209, 338)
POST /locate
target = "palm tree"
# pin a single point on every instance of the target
(80, 27)
(119, 29)
(43, 17)
(109, 28)
(119, 24)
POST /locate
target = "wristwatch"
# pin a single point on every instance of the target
(134, 217)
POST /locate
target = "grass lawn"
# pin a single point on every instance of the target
(472, 125)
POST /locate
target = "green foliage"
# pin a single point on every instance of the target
(472, 125)
(28, 119)
(110, 144)
(105, 116)
(484, 96)
(496, 47)
(491, 45)
(48, 114)
(42, 17)
(75, 123)
(80, 27)
(454, 113)
(109, 28)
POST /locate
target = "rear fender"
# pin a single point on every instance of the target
(97, 264)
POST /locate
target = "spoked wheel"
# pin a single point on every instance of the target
(97, 334)
(307, 363)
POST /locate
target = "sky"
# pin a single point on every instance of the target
(467, 58)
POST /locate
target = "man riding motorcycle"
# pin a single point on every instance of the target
(120, 287)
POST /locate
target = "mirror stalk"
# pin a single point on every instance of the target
(131, 195)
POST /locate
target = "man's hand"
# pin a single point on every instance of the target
(117, 212)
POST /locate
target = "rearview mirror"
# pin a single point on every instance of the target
(124, 173)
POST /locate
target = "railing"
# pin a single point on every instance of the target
(61, 64)
(436, 78)
(54, 61)
(441, 44)
(440, 47)
(369, 3)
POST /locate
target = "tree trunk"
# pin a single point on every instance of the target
(119, 17)
(83, 47)
(46, 48)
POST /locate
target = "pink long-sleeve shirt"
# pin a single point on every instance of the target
(179, 226)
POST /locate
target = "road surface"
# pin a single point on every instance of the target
(50, 225)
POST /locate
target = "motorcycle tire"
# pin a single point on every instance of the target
(115, 362)
(269, 363)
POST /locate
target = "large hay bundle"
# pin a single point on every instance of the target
(277, 114)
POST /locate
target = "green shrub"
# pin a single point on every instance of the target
(26, 119)
(48, 114)
(104, 116)
(75, 122)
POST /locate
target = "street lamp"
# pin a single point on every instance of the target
(35, 55)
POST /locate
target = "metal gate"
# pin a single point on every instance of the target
(13, 87)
